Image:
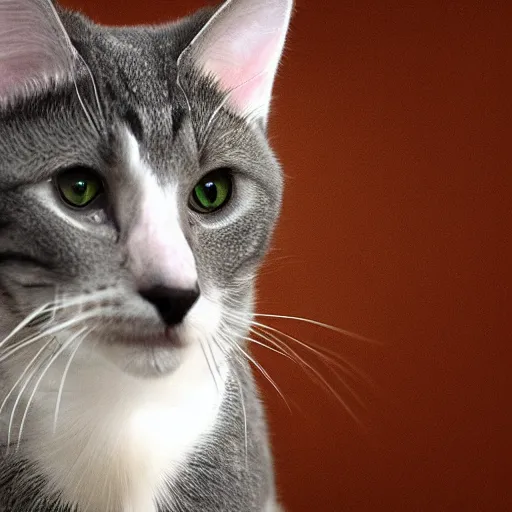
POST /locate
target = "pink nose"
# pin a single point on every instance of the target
(160, 257)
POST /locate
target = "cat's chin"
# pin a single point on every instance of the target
(156, 363)
(149, 355)
(144, 360)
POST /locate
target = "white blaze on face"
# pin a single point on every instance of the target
(120, 440)
(158, 250)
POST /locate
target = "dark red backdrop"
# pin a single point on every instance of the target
(393, 123)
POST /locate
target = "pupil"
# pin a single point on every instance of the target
(80, 188)
(210, 191)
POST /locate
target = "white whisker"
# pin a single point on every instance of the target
(40, 378)
(347, 367)
(320, 324)
(64, 375)
(271, 335)
(24, 323)
(322, 380)
(207, 359)
(272, 349)
(262, 370)
(48, 332)
(21, 391)
(27, 368)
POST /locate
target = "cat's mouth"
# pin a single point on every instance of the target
(140, 332)
(162, 338)
(142, 348)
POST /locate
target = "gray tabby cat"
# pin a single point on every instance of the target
(138, 194)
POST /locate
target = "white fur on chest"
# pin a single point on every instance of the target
(118, 438)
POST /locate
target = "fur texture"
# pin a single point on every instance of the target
(104, 407)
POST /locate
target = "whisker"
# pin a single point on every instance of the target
(22, 390)
(335, 359)
(85, 298)
(320, 351)
(308, 368)
(321, 379)
(64, 375)
(30, 340)
(210, 349)
(262, 370)
(267, 333)
(40, 378)
(272, 349)
(53, 307)
(27, 368)
(207, 359)
(24, 323)
(48, 332)
(320, 324)
(346, 367)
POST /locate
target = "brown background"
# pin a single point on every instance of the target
(393, 124)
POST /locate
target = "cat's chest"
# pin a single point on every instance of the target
(118, 443)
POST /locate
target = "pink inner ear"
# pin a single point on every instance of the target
(247, 74)
(241, 46)
(33, 45)
(245, 97)
(27, 70)
(16, 72)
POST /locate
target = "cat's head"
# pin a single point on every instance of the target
(138, 191)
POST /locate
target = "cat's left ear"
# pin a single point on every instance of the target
(241, 46)
(34, 47)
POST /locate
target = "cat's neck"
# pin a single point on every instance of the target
(119, 440)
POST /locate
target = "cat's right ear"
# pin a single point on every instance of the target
(34, 47)
(240, 48)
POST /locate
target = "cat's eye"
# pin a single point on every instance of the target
(79, 186)
(212, 192)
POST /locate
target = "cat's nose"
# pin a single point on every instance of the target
(172, 304)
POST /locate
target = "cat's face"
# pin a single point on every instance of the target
(138, 193)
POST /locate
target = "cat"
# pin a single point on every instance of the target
(138, 196)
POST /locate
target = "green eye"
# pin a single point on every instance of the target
(212, 192)
(79, 187)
